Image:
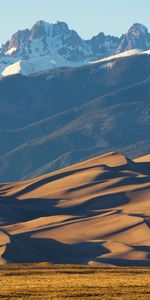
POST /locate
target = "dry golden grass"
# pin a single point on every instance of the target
(45, 281)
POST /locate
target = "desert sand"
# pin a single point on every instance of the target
(97, 211)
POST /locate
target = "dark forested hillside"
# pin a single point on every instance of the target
(63, 116)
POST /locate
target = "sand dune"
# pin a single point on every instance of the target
(97, 210)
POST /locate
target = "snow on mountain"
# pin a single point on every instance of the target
(35, 65)
(119, 55)
(23, 67)
(54, 45)
(43, 47)
(11, 51)
(147, 52)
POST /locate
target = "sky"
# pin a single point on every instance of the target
(87, 17)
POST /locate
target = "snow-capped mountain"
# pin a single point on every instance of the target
(54, 45)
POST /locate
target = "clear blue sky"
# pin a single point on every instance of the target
(87, 17)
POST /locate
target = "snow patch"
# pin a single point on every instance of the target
(22, 67)
(55, 22)
(147, 52)
(116, 56)
(36, 65)
(11, 51)
(108, 65)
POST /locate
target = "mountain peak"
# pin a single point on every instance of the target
(138, 28)
(40, 28)
(137, 37)
(40, 23)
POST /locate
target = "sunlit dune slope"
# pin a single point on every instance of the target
(94, 211)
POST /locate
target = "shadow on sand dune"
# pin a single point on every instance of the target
(144, 167)
(14, 210)
(123, 262)
(24, 249)
(92, 197)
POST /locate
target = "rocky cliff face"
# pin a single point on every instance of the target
(137, 37)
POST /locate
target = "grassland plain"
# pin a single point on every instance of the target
(47, 281)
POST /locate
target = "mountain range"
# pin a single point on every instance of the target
(56, 118)
(47, 46)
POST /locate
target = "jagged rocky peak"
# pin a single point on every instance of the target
(103, 45)
(138, 29)
(39, 29)
(15, 44)
(25, 44)
(42, 28)
(137, 37)
(59, 27)
(18, 39)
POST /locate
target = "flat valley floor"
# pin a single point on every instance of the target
(47, 281)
